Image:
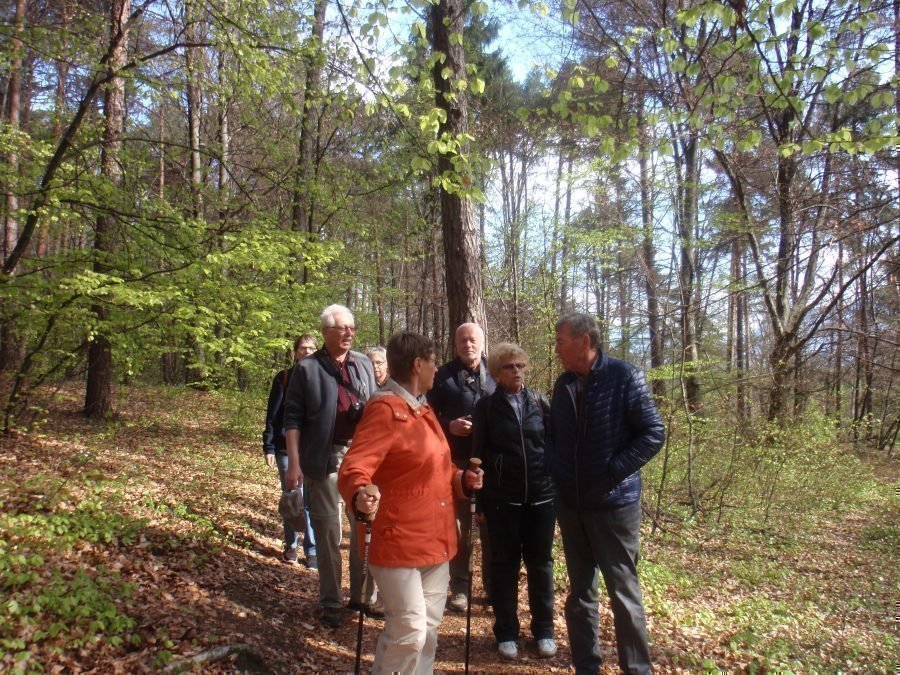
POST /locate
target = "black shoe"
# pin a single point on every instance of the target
(290, 555)
(368, 610)
(312, 562)
(332, 617)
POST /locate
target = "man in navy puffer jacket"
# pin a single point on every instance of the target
(604, 428)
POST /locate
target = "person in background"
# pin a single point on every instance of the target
(324, 402)
(274, 451)
(517, 500)
(458, 386)
(378, 357)
(400, 448)
(604, 427)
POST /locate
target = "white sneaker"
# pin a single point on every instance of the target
(546, 648)
(508, 650)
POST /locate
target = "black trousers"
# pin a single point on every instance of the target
(521, 533)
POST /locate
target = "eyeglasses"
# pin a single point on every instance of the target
(378, 363)
(344, 329)
(513, 366)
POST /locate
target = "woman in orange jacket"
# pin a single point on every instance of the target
(399, 447)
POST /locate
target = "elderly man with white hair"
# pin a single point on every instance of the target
(324, 402)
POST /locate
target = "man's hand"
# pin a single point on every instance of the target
(293, 475)
(270, 459)
(461, 426)
(367, 500)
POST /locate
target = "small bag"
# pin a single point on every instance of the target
(292, 509)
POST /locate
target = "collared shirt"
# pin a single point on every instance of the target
(344, 426)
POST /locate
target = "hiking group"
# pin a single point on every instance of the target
(414, 453)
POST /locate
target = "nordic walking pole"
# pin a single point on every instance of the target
(474, 463)
(372, 491)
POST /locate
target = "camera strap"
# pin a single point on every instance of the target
(328, 365)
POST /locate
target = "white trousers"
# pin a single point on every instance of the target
(413, 599)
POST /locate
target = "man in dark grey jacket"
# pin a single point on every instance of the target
(604, 428)
(324, 402)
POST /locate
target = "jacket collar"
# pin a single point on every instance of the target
(390, 386)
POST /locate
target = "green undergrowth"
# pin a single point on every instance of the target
(808, 596)
(56, 597)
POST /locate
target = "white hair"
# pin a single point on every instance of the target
(469, 324)
(328, 314)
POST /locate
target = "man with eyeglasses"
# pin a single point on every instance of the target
(604, 427)
(458, 386)
(324, 402)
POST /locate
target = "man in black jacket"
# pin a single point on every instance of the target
(458, 385)
(274, 450)
(604, 428)
(325, 398)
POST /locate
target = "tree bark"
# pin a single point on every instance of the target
(462, 247)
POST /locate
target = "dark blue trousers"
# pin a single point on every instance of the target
(604, 542)
(517, 534)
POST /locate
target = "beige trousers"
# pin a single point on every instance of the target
(413, 599)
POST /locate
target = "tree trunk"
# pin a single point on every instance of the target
(303, 207)
(687, 223)
(462, 248)
(98, 395)
(193, 99)
(648, 259)
(8, 332)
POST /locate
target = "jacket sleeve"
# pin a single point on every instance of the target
(371, 443)
(276, 399)
(436, 397)
(479, 439)
(647, 427)
(294, 403)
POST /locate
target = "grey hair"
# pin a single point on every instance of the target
(581, 324)
(381, 351)
(502, 352)
(327, 316)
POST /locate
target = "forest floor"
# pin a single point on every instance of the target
(134, 544)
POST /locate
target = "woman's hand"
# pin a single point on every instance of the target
(473, 480)
(367, 500)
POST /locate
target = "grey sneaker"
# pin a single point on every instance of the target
(508, 649)
(458, 602)
(290, 554)
(546, 648)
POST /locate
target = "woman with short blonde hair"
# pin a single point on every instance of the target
(517, 500)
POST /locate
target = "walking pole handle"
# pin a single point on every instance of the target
(474, 464)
